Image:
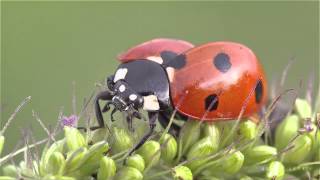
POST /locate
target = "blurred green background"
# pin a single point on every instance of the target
(47, 45)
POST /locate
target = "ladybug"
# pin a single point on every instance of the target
(210, 82)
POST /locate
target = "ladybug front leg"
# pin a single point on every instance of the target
(153, 116)
(106, 96)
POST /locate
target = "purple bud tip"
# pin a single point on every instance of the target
(70, 121)
(308, 125)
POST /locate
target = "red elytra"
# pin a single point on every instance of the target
(153, 48)
(213, 81)
(226, 71)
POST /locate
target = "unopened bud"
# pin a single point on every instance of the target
(182, 173)
(300, 151)
(212, 130)
(7, 178)
(169, 148)
(150, 151)
(248, 129)
(99, 135)
(10, 170)
(107, 169)
(303, 108)
(121, 142)
(189, 134)
(1, 143)
(275, 171)
(56, 163)
(91, 159)
(259, 154)
(198, 153)
(136, 161)
(74, 158)
(129, 173)
(231, 163)
(74, 138)
(286, 131)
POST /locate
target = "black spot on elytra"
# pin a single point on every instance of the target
(211, 102)
(259, 91)
(167, 56)
(222, 62)
(178, 62)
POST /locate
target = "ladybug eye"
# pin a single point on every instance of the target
(133, 97)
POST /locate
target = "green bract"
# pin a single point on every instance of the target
(182, 173)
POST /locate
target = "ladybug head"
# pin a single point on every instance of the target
(124, 97)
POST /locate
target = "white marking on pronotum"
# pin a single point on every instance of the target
(150, 103)
(120, 74)
(156, 59)
(133, 97)
(122, 88)
(170, 72)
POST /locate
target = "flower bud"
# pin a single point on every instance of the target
(316, 148)
(245, 178)
(51, 177)
(303, 108)
(259, 154)
(275, 171)
(129, 173)
(182, 173)
(286, 131)
(7, 178)
(121, 142)
(316, 173)
(212, 130)
(230, 164)
(74, 138)
(300, 151)
(91, 159)
(25, 170)
(189, 134)
(150, 151)
(248, 129)
(10, 170)
(1, 143)
(57, 146)
(99, 135)
(136, 161)
(74, 158)
(107, 169)
(199, 150)
(56, 163)
(169, 148)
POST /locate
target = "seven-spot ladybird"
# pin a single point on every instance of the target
(213, 81)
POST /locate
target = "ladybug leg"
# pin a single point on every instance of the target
(153, 116)
(105, 95)
(164, 119)
(129, 121)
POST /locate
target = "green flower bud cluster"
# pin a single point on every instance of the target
(201, 150)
